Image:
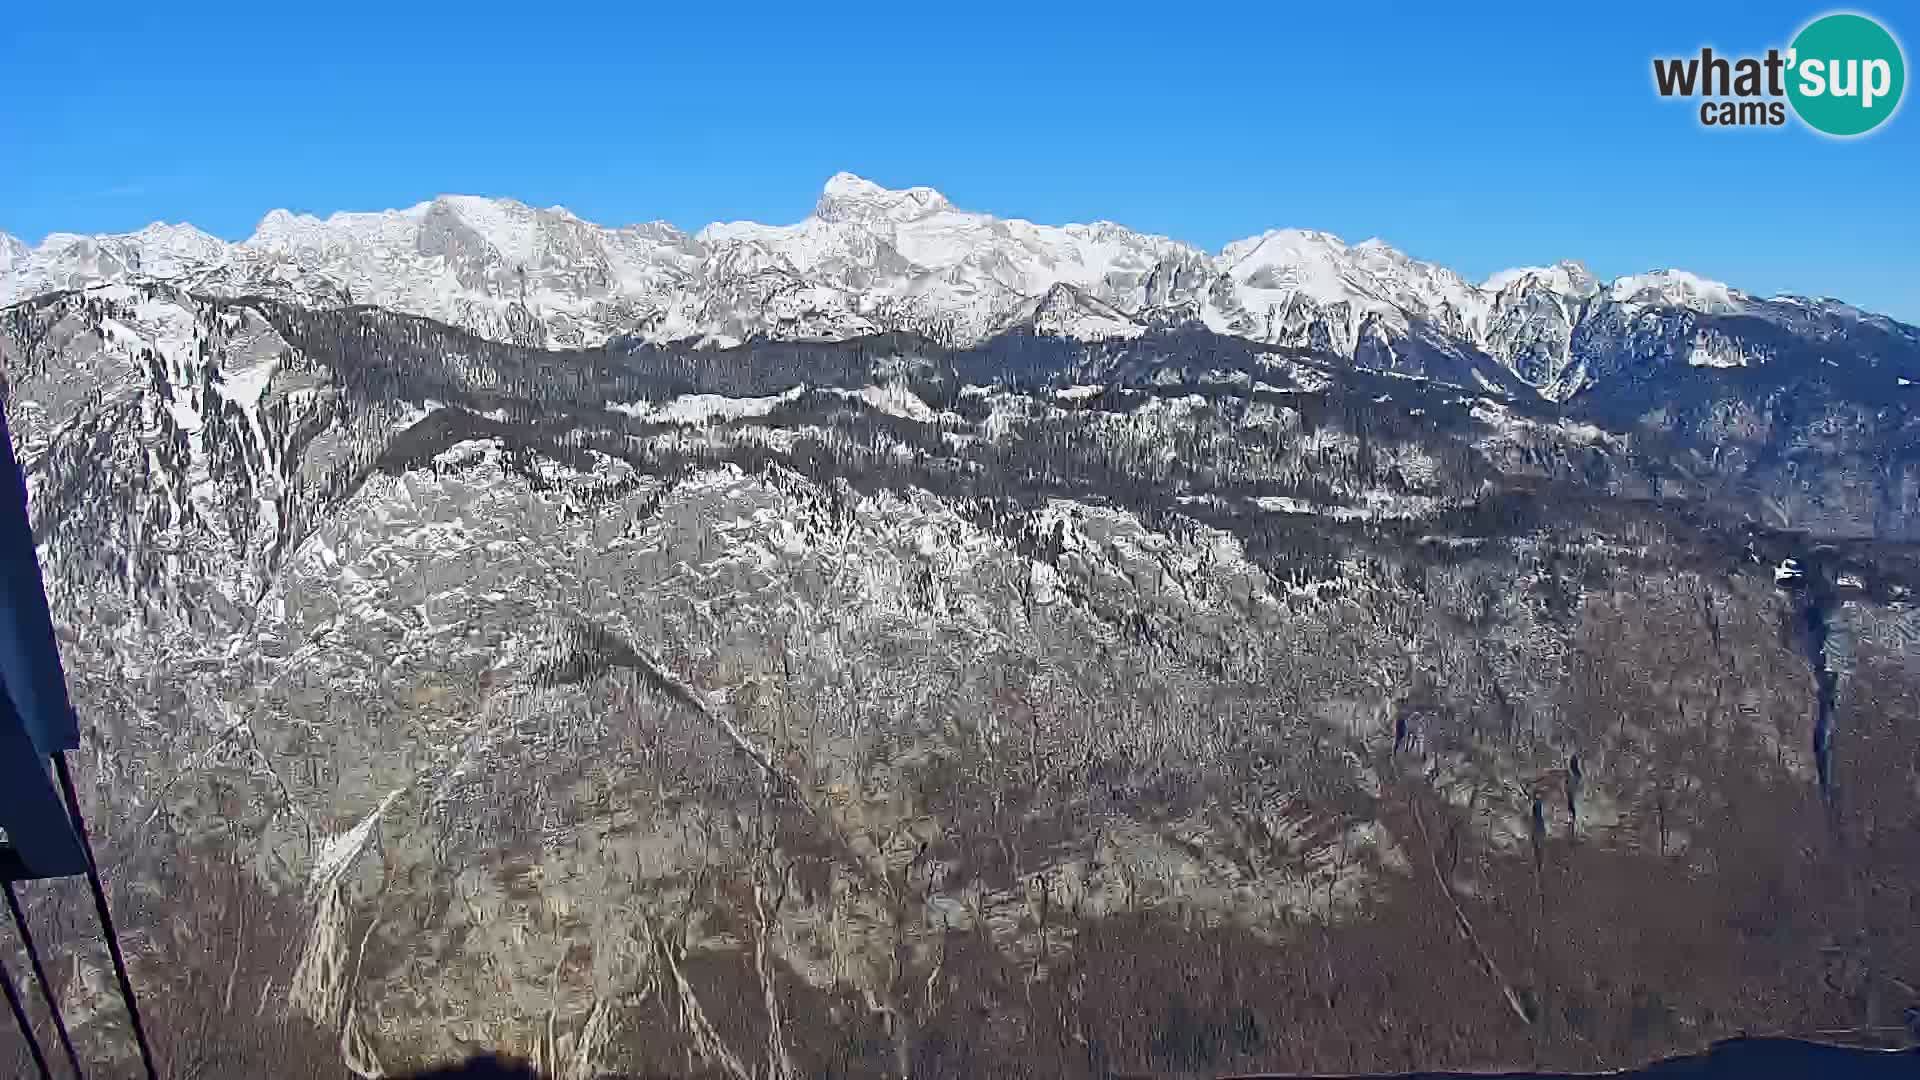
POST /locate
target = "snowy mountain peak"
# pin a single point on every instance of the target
(489, 215)
(287, 232)
(482, 206)
(1283, 245)
(847, 197)
(1568, 277)
(1676, 288)
(1276, 269)
(160, 248)
(67, 260)
(279, 221)
(514, 231)
(846, 185)
(182, 238)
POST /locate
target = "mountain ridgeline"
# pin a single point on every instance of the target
(913, 643)
(870, 260)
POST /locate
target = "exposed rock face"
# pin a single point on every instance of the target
(1171, 702)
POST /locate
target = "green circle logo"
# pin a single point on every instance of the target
(1845, 74)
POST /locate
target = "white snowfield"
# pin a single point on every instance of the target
(705, 408)
(871, 259)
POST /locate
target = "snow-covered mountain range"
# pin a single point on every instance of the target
(501, 696)
(869, 259)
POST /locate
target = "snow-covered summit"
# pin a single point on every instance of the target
(1568, 277)
(71, 260)
(1677, 288)
(1295, 260)
(851, 198)
(12, 250)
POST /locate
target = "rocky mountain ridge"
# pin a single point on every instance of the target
(1150, 699)
(872, 260)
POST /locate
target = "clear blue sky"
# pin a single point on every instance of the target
(1482, 135)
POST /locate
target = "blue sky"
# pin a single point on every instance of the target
(1481, 136)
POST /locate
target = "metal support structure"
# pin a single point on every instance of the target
(46, 985)
(25, 1024)
(106, 916)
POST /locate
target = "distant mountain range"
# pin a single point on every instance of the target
(871, 260)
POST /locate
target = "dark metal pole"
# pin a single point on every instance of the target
(46, 985)
(106, 917)
(26, 1025)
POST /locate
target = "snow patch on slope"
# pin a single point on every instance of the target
(695, 409)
